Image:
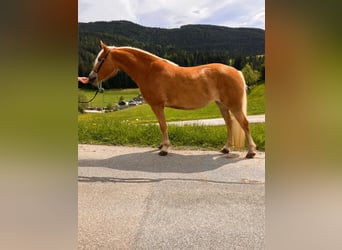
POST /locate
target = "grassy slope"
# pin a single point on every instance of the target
(111, 96)
(256, 100)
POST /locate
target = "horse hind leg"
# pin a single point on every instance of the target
(242, 120)
(228, 120)
(165, 144)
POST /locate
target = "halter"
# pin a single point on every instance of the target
(99, 64)
(96, 70)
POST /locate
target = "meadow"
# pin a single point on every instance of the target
(136, 125)
(110, 96)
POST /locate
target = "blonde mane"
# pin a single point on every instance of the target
(133, 48)
(146, 52)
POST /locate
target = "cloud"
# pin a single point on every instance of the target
(105, 10)
(171, 14)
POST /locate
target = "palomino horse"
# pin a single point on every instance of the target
(165, 84)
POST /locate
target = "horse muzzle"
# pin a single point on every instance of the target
(93, 79)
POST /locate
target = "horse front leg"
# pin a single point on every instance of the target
(165, 144)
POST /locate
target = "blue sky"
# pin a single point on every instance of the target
(174, 13)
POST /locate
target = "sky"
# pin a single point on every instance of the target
(175, 13)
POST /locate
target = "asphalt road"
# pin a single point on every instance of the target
(132, 198)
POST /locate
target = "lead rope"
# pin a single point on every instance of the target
(97, 91)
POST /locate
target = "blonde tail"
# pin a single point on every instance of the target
(237, 132)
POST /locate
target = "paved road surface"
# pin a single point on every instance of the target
(132, 198)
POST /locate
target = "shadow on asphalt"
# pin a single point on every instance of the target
(172, 163)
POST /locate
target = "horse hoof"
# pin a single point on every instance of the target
(162, 153)
(250, 155)
(224, 151)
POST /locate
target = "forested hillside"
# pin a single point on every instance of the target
(188, 45)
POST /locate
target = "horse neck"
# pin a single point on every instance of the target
(134, 63)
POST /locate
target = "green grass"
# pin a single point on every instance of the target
(111, 96)
(110, 132)
(124, 127)
(256, 100)
(143, 114)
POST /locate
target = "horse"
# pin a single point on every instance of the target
(163, 83)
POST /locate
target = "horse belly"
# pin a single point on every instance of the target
(193, 99)
(186, 106)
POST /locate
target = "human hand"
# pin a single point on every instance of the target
(83, 79)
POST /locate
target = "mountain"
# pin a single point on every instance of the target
(237, 41)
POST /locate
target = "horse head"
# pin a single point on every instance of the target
(104, 67)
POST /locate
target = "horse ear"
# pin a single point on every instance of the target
(103, 46)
